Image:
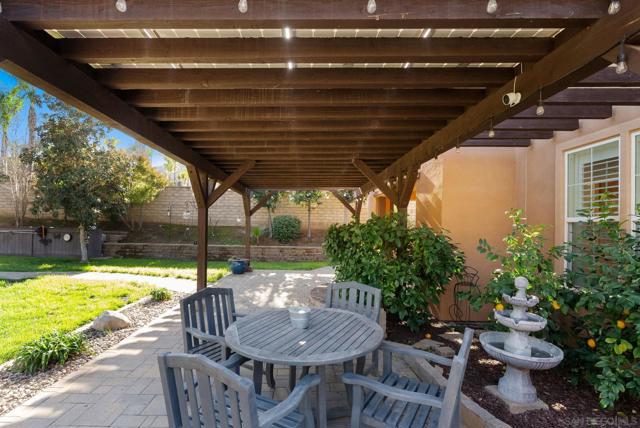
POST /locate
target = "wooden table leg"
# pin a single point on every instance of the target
(257, 376)
(322, 397)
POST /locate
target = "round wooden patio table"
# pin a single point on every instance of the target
(334, 336)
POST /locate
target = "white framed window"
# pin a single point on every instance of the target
(591, 173)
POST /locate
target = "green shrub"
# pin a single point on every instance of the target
(256, 233)
(411, 266)
(49, 349)
(525, 255)
(286, 228)
(604, 270)
(160, 294)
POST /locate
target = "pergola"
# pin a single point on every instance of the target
(306, 94)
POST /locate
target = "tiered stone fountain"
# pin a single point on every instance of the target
(519, 351)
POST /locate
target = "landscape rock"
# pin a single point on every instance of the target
(111, 320)
(428, 345)
(452, 336)
(445, 351)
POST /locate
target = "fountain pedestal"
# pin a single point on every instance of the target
(520, 351)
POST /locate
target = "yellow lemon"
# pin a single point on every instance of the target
(499, 307)
(555, 305)
(620, 324)
(591, 343)
(427, 336)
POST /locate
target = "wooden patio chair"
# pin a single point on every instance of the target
(217, 397)
(397, 401)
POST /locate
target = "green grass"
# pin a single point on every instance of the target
(31, 308)
(153, 267)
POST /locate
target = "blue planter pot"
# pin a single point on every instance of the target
(238, 267)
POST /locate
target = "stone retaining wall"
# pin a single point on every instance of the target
(216, 252)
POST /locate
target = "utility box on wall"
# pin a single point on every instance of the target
(52, 242)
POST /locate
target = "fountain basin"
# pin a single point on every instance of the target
(533, 322)
(544, 355)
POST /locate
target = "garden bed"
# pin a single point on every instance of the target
(569, 405)
(17, 387)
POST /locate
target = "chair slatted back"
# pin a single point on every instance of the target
(450, 413)
(210, 310)
(201, 393)
(355, 297)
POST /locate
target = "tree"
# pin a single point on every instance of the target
(10, 104)
(309, 199)
(18, 177)
(31, 94)
(75, 173)
(146, 182)
(271, 205)
(175, 172)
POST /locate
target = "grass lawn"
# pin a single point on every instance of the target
(30, 308)
(154, 267)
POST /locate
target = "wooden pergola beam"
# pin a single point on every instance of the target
(228, 182)
(27, 58)
(375, 178)
(551, 73)
(199, 139)
(519, 142)
(303, 78)
(261, 203)
(200, 187)
(344, 202)
(563, 111)
(304, 50)
(174, 114)
(303, 97)
(539, 123)
(613, 96)
(306, 125)
(330, 14)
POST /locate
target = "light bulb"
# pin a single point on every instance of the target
(492, 7)
(0, 7)
(290, 65)
(426, 32)
(540, 109)
(243, 7)
(492, 133)
(371, 6)
(121, 5)
(406, 65)
(287, 33)
(614, 7)
(621, 67)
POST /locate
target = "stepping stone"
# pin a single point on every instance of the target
(452, 336)
(428, 345)
(445, 351)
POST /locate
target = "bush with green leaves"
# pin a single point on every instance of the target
(49, 349)
(411, 266)
(286, 228)
(525, 255)
(160, 294)
(604, 271)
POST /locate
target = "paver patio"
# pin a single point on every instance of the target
(121, 387)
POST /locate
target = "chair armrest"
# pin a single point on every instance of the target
(291, 403)
(398, 348)
(239, 315)
(390, 391)
(204, 336)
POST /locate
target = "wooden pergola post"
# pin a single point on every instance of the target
(201, 189)
(246, 203)
(354, 210)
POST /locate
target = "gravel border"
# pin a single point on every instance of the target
(17, 387)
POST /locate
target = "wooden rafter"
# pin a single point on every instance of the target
(261, 137)
(304, 78)
(344, 202)
(27, 58)
(330, 14)
(375, 178)
(558, 66)
(307, 125)
(228, 182)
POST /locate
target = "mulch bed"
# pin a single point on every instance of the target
(17, 388)
(569, 405)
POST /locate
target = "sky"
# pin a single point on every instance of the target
(19, 129)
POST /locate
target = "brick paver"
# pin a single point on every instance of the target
(121, 387)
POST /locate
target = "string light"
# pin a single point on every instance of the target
(287, 33)
(492, 7)
(614, 7)
(426, 33)
(121, 5)
(371, 6)
(243, 7)
(406, 65)
(540, 108)
(291, 65)
(621, 61)
(492, 133)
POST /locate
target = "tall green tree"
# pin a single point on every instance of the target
(77, 175)
(271, 205)
(146, 182)
(31, 94)
(11, 102)
(309, 199)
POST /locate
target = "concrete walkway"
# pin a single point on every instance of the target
(121, 387)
